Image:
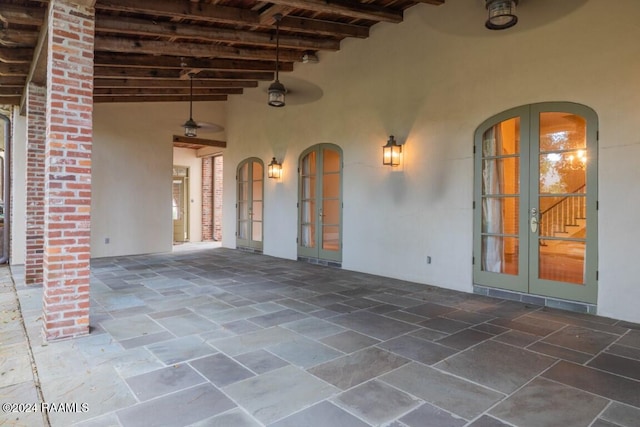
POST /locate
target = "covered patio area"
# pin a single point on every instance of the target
(222, 337)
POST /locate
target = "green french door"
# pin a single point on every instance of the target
(535, 209)
(320, 203)
(249, 206)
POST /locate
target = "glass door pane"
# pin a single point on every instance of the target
(250, 204)
(500, 198)
(330, 215)
(256, 202)
(308, 214)
(561, 197)
(320, 203)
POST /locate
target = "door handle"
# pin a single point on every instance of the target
(534, 220)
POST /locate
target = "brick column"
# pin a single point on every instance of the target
(36, 125)
(217, 198)
(207, 198)
(69, 138)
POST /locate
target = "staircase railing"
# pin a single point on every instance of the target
(563, 213)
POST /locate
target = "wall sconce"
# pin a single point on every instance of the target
(502, 14)
(274, 169)
(391, 152)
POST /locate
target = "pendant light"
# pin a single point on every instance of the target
(502, 14)
(276, 89)
(190, 126)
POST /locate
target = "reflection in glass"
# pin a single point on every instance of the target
(506, 170)
(509, 211)
(563, 261)
(501, 197)
(561, 131)
(256, 230)
(249, 207)
(331, 238)
(500, 254)
(331, 161)
(563, 173)
(563, 217)
(563, 162)
(502, 139)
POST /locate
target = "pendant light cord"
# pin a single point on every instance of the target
(277, 17)
(190, 96)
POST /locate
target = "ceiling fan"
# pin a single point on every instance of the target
(191, 126)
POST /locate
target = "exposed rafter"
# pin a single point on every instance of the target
(144, 48)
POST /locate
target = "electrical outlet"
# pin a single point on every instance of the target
(107, 240)
(428, 260)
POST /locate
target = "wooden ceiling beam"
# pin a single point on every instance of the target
(199, 141)
(12, 81)
(431, 2)
(323, 28)
(186, 10)
(13, 70)
(161, 98)
(10, 90)
(18, 38)
(172, 30)
(16, 55)
(199, 50)
(182, 9)
(184, 91)
(267, 16)
(158, 83)
(9, 100)
(104, 59)
(347, 9)
(22, 15)
(141, 73)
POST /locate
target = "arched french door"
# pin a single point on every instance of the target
(320, 203)
(535, 217)
(249, 206)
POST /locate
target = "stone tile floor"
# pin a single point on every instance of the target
(227, 338)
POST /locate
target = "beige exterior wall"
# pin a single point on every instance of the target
(133, 158)
(18, 194)
(430, 81)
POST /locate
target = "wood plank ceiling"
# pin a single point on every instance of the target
(144, 49)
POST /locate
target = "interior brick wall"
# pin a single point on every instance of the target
(207, 199)
(217, 197)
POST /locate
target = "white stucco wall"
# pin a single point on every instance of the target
(17, 252)
(430, 81)
(132, 170)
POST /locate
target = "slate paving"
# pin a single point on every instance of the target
(221, 337)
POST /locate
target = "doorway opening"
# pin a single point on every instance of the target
(180, 204)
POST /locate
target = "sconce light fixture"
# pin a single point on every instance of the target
(501, 14)
(391, 152)
(274, 169)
